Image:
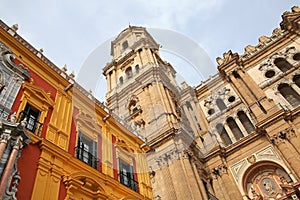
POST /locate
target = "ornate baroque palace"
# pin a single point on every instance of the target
(235, 136)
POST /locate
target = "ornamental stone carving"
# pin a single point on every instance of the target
(219, 170)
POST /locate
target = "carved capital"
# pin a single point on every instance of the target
(187, 154)
(278, 139)
(17, 144)
(4, 138)
(290, 134)
(167, 158)
(220, 170)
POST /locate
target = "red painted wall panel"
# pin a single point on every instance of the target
(27, 166)
(62, 191)
(115, 166)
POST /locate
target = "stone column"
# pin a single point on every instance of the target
(296, 88)
(241, 126)
(9, 166)
(3, 142)
(287, 153)
(229, 132)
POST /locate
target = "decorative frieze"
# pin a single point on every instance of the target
(167, 158)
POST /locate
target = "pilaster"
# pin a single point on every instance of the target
(288, 152)
(230, 190)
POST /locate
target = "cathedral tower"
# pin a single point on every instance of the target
(142, 90)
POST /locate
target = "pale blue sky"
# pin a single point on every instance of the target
(70, 30)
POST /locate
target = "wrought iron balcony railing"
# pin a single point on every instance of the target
(86, 157)
(127, 180)
(33, 125)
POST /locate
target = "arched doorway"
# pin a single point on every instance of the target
(268, 180)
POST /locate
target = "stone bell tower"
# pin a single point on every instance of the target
(142, 90)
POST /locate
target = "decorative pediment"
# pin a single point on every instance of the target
(84, 183)
(122, 145)
(88, 124)
(36, 92)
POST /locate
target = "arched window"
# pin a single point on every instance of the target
(128, 72)
(223, 135)
(121, 80)
(137, 69)
(234, 128)
(246, 122)
(282, 64)
(221, 105)
(296, 80)
(289, 94)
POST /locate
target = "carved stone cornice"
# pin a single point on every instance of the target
(291, 20)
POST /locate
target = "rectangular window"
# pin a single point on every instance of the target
(31, 115)
(126, 173)
(86, 150)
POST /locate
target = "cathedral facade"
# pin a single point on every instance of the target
(234, 136)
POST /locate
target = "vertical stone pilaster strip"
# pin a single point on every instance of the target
(192, 178)
(288, 154)
(218, 189)
(294, 140)
(200, 183)
(230, 186)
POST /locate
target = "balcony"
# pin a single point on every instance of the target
(127, 180)
(86, 157)
(33, 125)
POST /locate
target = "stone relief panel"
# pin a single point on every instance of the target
(256, 181)
(274, 67)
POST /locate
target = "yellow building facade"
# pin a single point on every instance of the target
(78, 149)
